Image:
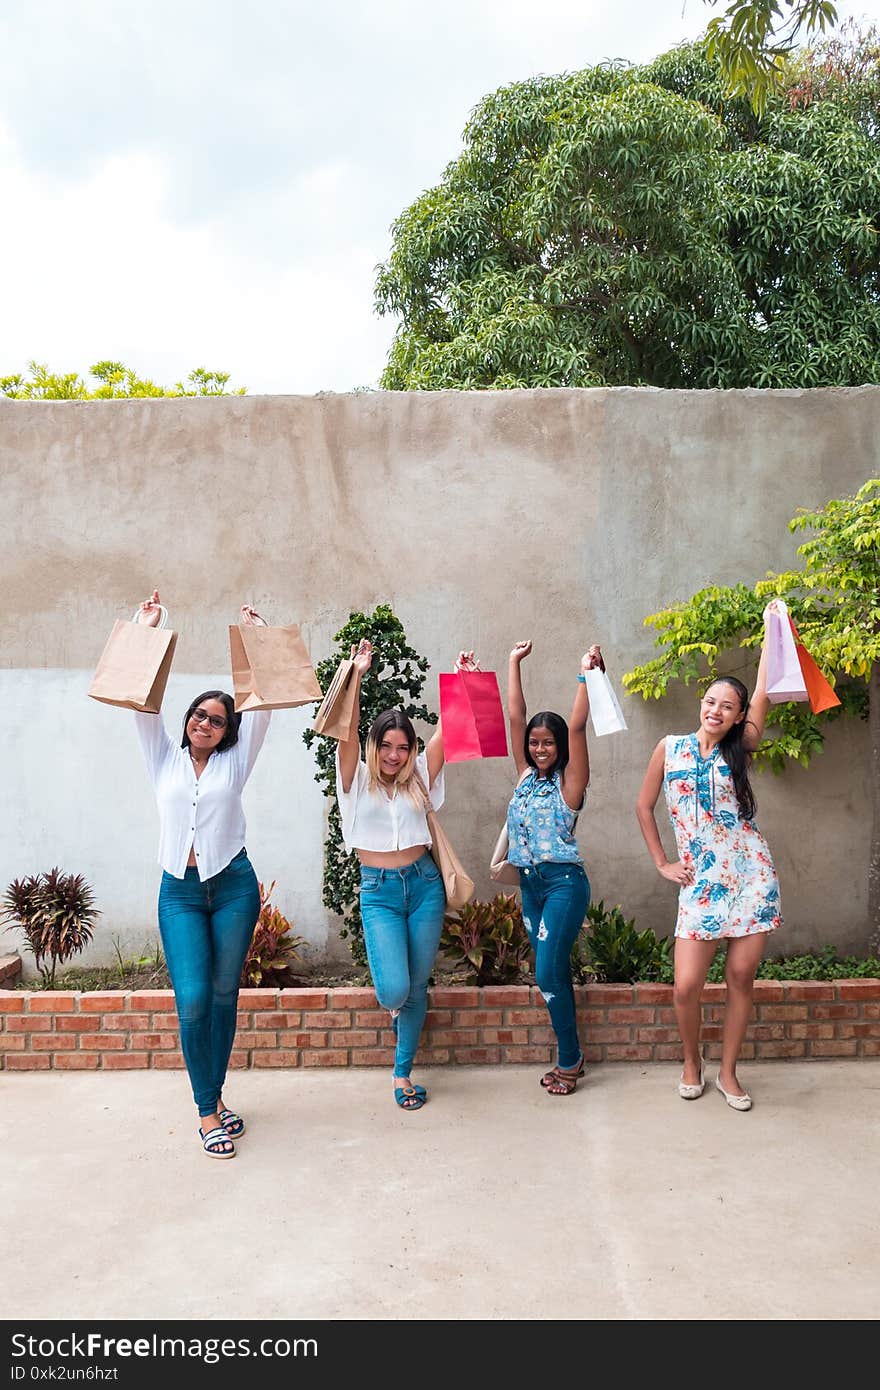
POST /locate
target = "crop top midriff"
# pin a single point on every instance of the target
(382, 824)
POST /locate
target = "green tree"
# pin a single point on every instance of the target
(753, 39)
(635, 226)
(116, 382)
(835, 601)
(395, 680)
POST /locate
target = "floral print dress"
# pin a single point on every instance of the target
(735, 891)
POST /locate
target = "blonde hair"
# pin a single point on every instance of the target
(407, 780)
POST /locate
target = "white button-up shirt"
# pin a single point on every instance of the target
(377, 822)
(201, 813)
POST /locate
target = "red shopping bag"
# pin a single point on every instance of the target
(819, 690)
(472, 716)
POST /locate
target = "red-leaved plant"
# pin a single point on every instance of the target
(269, 961)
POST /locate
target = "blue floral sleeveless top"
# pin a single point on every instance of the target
(540, 827)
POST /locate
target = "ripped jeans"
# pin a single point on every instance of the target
(555, 898)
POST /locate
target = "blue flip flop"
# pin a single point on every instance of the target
(408, 1097)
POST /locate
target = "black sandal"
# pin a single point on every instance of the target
(568, 1079)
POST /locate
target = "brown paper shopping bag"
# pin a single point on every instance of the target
(337, 708)
(459, 887)
(271, 668)
(134, 666)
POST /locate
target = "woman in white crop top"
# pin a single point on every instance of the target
(383, 801)
(209, 899)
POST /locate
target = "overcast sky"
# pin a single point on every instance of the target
(212, 184)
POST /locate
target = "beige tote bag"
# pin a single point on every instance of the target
(459, 887)
(500, 869)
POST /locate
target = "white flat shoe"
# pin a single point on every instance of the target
(693, 1091)
(743, 1102)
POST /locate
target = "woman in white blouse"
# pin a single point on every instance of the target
(209, 899)
(383, 802)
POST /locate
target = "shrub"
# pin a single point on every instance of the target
(609, 949)
(57, 915)
(269, 961)
(490, 939)
(394, 681)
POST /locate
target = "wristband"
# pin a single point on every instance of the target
(582, 678)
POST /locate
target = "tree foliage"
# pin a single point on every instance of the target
(752, 39)
(636, 226)
(116, 382)
(395, 680)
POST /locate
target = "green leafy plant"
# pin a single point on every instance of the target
(609, 949)
(395, 680)
(273, 950)
(151, 962)
(117, 382)
(489, 939)
(57, 915)
(824, 965)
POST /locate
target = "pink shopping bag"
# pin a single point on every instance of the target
(472, 716)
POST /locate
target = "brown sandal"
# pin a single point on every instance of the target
(556, 1077)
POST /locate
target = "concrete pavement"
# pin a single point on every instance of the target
(495, 1201)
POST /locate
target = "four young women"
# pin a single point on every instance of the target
(209, 898)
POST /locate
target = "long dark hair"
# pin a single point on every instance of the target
(546, 719)
(233, 720)
(734, 751)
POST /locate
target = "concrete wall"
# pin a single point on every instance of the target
(564, 516)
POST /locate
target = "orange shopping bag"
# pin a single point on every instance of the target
(819, 690)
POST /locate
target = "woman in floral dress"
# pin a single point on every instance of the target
(728, 886)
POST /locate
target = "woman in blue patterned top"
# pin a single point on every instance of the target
(554, 770)
(728, 890)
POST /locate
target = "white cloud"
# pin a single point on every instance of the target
(103, 272)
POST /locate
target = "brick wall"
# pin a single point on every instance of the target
(124, 1030)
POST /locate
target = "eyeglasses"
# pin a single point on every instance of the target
(216, 721)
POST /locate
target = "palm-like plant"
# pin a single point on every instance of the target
(57, 914)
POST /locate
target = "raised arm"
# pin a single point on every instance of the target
(156, 743)
(516, 705)
(759, 703)
(576, 777)
(254, 722)
(349, 749)
(651, 788)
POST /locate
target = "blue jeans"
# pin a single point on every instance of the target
(206, 929)
(555, 898)
(402, 911)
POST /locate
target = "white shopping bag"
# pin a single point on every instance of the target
(605, 711)
(785, 679)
